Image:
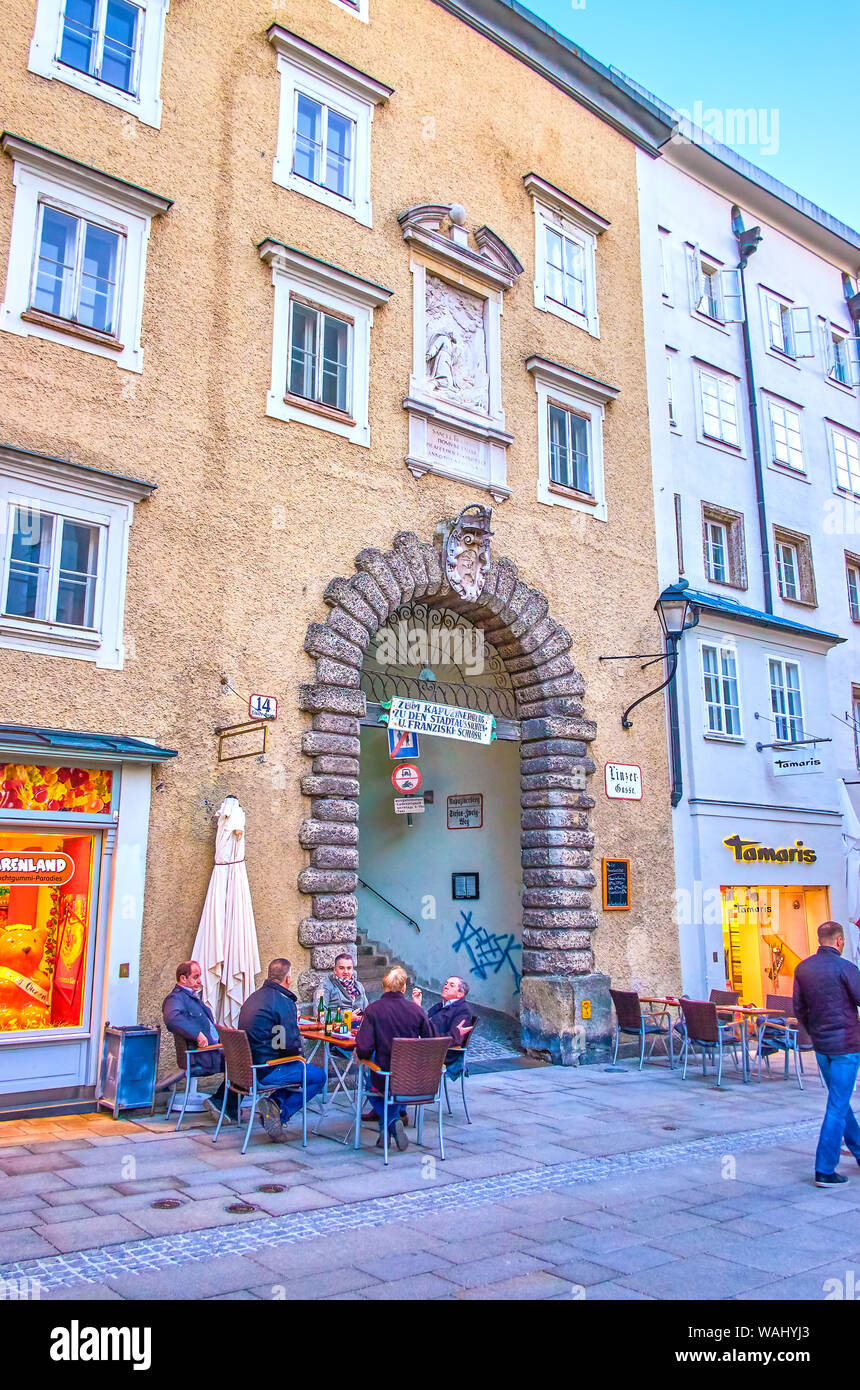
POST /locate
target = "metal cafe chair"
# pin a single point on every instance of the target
(702, 1029)
(464, 1068)
(630, 1019)
(240, 1076)
(414, 1078)
(185, 1055)
(778, 1035)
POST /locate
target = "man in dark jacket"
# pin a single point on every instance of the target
(826, 998)
(186, 1015)
(451, 1015)
(270, 1018)
(385, 1019)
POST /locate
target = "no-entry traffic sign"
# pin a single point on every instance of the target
(407, 778)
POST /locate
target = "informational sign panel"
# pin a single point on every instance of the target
(408, 805)
(262, 707)
(35, 869)
(406, 778)
(790, 764)
(616, 885)
(623, 781)
(442, 721)
(402, 744)
(466, 811)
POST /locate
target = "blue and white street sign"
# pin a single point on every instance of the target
(402, 744)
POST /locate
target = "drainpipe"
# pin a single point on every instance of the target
(675, 745)
(748, 241)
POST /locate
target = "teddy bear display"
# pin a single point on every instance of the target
(24, 979)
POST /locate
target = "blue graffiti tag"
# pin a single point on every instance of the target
(486, 950)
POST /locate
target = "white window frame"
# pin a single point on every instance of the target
(720, 647)
(559, 212)
(308, 70)
(36, 483)
(783, 662)
(588, 398)
(729, 292)
(41, 176)
(787, 409)
(829, 333)
(709, 551)
(703, 370)
(852, 569)
(145, 103)
(834, 430)
(664, 253)
(360, 8)
(792, 573)
(671, 357)
(343, 295)
(795, 327)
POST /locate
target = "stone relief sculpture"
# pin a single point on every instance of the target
(467, 551)
(456, 345)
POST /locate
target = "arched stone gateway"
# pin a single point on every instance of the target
(564, 1004)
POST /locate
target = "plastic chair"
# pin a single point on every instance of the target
(464, 1071)
(629, 1018)
(778, 1035)
(240, 1076)
(185, 1055)
(414, 1078)
(704, 1030)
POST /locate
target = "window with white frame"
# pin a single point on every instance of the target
(356, 7)
(721, 693)
(852, 575)
(724, 545)
(788, 327)
(841, 355)
(845, 453)
(719, 404)
(64, 533)
(566, 235)
(788, 570)
(717, 551)
(786, 437)
(855, 719)
(664, 248)
(571, 409)
(326, 111)
(111, 49)
(794, 567)
(77, 256)
(785, 699)
(670, 389)
(715, 293)
(321, 343)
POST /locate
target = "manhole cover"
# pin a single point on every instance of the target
(272, 1187)
(241, 1208)
(167, 1203)
(670, 1126)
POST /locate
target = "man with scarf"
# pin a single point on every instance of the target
(341, 989)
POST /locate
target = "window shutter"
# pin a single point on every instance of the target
(829, 353)
(732, 293)
(852, 355)
(697, 279)
(801, 331)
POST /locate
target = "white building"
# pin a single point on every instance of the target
(755, 435)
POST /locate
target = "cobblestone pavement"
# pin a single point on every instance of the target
(580, 1183)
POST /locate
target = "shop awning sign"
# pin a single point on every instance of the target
(788, 764)
(441, 721)
(35, 870)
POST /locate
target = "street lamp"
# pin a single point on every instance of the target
(677, 614)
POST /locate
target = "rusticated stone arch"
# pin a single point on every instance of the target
(556, 839)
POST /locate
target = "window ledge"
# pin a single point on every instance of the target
(727, 583)
(840, 385)
(784, 357)
(725, 738)
(721, 444)
(587, 498)
(75, 330)
(18, 626)
(329, 412)
(706, 318)
(799, 602)
(787, 470)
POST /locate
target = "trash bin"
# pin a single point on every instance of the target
(129, 1068)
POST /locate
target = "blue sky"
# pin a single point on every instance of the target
(790, 59)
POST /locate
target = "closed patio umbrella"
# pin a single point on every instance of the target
(226, 942)
(851, 846)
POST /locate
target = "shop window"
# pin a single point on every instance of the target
(111, 49)
(767, 932)
(795, 574)
(46, 912)
(724, 546)
(786, 699)
(721, 692)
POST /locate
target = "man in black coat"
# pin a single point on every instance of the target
(270, 1018)
(826, 998)
(451, 1015)
(385, 1019)
(186, 1015)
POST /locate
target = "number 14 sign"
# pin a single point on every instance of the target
(262, 707)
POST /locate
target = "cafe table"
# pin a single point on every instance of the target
(339, 1054)
(745, 1013)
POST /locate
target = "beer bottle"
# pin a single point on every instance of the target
(328, 1022)
(321, 1014)
(338, 1021)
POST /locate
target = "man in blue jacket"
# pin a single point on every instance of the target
(826, 998)
(451, 1015)
(270, 1018)
(187, 1016)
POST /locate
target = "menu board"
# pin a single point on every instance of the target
(616, 885)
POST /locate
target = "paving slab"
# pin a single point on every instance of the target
(192, 1280)
(89, 1232)
(420, 1286)
(537, 1285)
(24, 1244)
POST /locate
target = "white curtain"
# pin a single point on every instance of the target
(226, 942)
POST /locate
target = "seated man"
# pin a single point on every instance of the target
(186, 1014)
(390, 1017)
(451, 1015)
(341, 989)
(270, 1019)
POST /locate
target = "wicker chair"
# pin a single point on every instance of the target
(461, 1052)
(778, 1035)
(185, 1055)
(240, 1076)
(702, 1029)
(630, 1019)
(414, 1078)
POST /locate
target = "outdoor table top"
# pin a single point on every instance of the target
(316, 1035)
(749, 1009)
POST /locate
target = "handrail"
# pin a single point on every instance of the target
(394, 908)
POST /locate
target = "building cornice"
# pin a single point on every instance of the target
(322, 273)
(493, 264)
(553, 374)
(129, 196)
(325, 65)
(75, 477)
(550, 196)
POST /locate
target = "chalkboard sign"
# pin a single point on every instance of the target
(616, 885)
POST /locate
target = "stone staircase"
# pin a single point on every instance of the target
(373, 962)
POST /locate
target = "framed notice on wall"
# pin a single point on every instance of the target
(616, 885)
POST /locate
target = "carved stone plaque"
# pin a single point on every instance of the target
(456, 345)
(456, 451)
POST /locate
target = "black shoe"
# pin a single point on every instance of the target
(400, 1136)
(830, 1179)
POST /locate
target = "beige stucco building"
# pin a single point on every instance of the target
(262, 311)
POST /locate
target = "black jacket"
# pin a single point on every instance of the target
(186, 1014)
(270, 1018)
(826, 997)
(446, 1018)
(392, 1016)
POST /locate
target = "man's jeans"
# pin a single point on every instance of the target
(290, 1073)
(839, 1074)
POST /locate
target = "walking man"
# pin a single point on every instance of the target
(826, 998)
